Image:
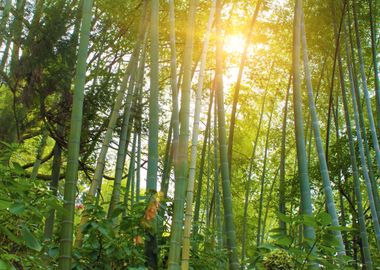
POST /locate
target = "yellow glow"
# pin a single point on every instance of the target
(234, 44)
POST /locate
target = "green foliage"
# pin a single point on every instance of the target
(24, 204)
(287, 252)
(107, 246)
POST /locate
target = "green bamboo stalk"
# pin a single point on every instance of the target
(219, 227)
(264, 170)
(194, 145)
(133, 91)
(268, 203)
(306, 203)
(153, 99)
(372, 19)
(249, 182)
(201, 171)
(100, 163)
(138, 172)
(282, 186)
(181, 168)
(131, 177)
(367, 180)
(208, 203)
(367, 98)
(321, 155)
(362, 125)
(66, 238)
(360, 212)
(226, 181)
(173, 83)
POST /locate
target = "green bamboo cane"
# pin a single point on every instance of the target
(306, 204)
(249, 182)
(264, 170)
(194, 145)
(131, 177)
(362, 154)
(66, 238)
(153, 99)
(360, 211)
(100, 163)
(201, 171)
(181, 168)
(282, 186)
(362, 123)
(134, 89)
(321, 155)
(372, 17)
(365, 89)
(219, 235)
(226, 181)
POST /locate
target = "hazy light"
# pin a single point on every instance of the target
(234, 44)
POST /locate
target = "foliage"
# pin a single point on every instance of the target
(24, 204)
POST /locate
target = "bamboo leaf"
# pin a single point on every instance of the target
(30, 240)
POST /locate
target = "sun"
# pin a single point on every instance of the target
(234, 44)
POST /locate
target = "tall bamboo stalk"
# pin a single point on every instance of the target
(360, 211)
(367, 98)
(317, 134)
(282, 186)
(201, 170)
(134, 89)
(181, 168)
(306, 203)
(249, 181)
(362, 155)
(226, 181)
(372, 19)
(194, 145)
(100, 162)
(66, 239)
(262, 181)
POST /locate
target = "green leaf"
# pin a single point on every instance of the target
(324, 218)
(340, 228)
(4, 265)
(284, 218)
(267, 246)
(117, 211)
(309, 221)
(284, 241)
(17, 208)
(30, 240)
(10, 235)
(4, 205)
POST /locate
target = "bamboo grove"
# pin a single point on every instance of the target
(199, 134)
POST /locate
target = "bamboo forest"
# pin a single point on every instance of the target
(189, 134)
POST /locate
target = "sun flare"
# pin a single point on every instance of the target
(234, 44)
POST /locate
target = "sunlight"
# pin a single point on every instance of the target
(234, 44)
